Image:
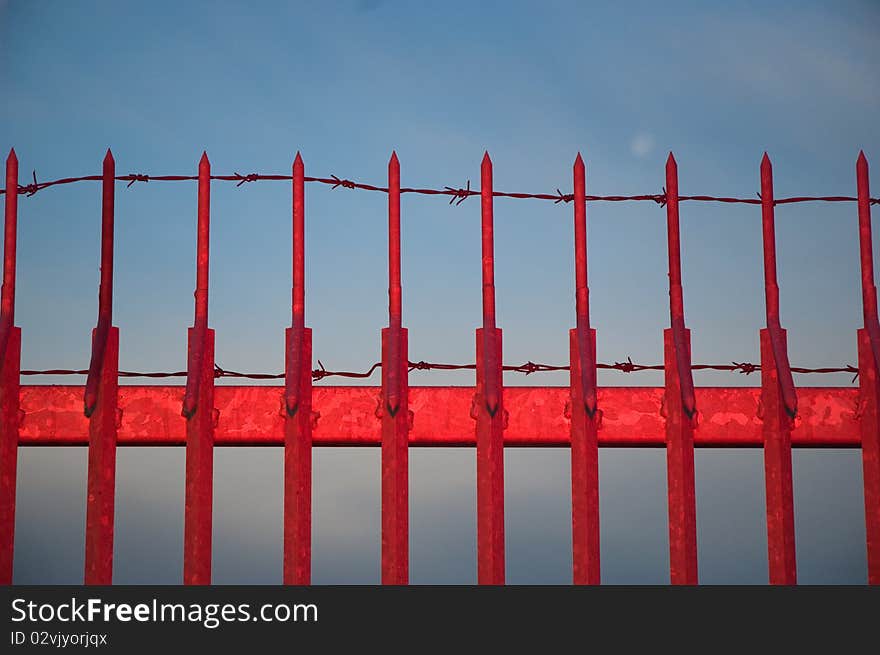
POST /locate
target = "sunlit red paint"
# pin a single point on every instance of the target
(582, 416)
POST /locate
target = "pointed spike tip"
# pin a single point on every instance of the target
(298, 160)
(108, 158)
(765, 160)
(204, 160)
(12, 156)
(394, 159)
(486, 159)
(670, 160)
(579, 161)
(862, 160)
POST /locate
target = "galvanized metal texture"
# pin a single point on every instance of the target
(249, 416)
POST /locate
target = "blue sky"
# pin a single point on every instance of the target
(532, 83)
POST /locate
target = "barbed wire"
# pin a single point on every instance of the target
(456, 195)
(527, 368)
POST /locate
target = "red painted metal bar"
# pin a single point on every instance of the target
(676, 298)
(779, 405)
(7, 303)
(200, 322)
(201, 417)
(105, 290)
(771, 290)
(586, 355)
(394, 411)
(298, 417)
(679, 407)
(101, 405)
(585, 417)
(10, 359)
(488, 409)
(537, 417)
(393, 391)
(491, 364)
(869, 377)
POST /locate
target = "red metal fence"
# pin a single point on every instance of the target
(395, 416)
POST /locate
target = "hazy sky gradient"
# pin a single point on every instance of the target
(533, 83)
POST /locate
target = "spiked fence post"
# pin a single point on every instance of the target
(488, 408)
(869, 377)
(298, 417)
(101, 405)
(778, 406)
(585, 417)
(198, 408)
(10, 362)
(394, 407)
(679, 407)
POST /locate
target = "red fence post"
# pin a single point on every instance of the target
(101, 405)
(778, 406)
(488, 409)
(394, 407)
(10, 362)
(198, 408)
(679, 407)
(298, 416)
(869, 379)
(585, 417)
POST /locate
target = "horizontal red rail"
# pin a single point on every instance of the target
(252, 416)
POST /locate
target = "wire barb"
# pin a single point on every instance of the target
(746, 368)
(30, 189)
(250, 177)
(136, 177)
(348, 184)
(566, 198)
(459, 195)
(625, 367)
